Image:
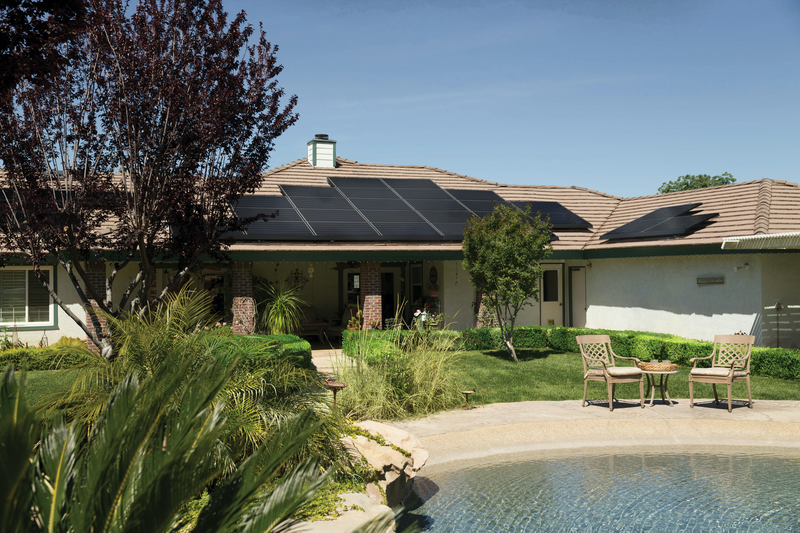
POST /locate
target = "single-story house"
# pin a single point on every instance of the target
(694, 263)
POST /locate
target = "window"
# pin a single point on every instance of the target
(550, 286)
(23, 300)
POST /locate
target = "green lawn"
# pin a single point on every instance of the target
(548, 375)
(43, 383)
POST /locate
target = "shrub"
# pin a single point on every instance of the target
(56, 357)
(395, 374)
(289, 348)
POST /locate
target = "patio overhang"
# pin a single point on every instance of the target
(774, 241)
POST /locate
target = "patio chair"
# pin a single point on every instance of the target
(599, 364)
(730, 362)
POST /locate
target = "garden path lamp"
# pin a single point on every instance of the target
(335, 386)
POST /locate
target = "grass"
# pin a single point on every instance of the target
(548, 375)
(43, 383)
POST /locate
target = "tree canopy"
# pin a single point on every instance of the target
(502, 252)
(135, 150)
(700, 181)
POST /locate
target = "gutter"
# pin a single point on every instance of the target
(763, 242)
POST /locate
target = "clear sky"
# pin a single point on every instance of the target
(614, 95)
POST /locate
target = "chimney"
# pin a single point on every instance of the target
(322, 151)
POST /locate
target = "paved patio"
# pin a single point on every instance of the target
(513, 428)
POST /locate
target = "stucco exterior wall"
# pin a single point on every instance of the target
(661, 294)
(458, 296)
(780, 282)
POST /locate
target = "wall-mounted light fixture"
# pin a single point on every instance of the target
(745, 267)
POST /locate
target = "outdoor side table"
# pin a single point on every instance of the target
(662, 384)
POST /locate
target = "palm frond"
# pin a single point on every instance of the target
(18, 436)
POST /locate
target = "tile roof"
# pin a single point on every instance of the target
(756, 207)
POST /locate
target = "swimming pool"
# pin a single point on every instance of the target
(683, 491)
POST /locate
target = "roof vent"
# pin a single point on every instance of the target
(322, 151)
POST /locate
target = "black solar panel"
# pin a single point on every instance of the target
(328, 213)
(560, 216)
(406, 183)
(671, 211)
(287, 225)
(666, 221)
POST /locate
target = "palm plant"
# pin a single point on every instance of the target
(281, 309)
(261, 396)
(147, 455)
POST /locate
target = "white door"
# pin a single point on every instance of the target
(550, 293)
(577, 292)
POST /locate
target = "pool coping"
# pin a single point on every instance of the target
(495, 430)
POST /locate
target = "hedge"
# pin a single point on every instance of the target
(49, 358)
(387, 341)
(290, 348)
(772, 362)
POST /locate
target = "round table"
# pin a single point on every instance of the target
(662, 384)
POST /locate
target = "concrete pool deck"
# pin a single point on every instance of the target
(513, 428)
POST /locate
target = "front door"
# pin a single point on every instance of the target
(550, 292)
(577, 293)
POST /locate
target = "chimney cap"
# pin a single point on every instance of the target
(321, 136)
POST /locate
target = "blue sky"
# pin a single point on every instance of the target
(617, 96)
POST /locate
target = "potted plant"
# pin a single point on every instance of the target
(433, 289)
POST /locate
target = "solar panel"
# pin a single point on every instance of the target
(671, 211)
(287, 225)
(385, 210)
(560, 216)
(666, 221)
(329, 214)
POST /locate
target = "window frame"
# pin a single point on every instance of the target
(52, 322)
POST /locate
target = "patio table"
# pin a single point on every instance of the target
(662, 384)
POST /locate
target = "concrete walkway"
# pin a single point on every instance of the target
(513, 428)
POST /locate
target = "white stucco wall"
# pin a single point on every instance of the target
(661, 295)
(458, 296)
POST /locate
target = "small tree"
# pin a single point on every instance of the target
(502, 252)
(700, 181)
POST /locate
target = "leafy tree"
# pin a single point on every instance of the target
(502, 252)
(30, 32)
(700, 181)
(135, 150)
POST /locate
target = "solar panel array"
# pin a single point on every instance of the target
(366, 209)
(668, 221)
(560, 216)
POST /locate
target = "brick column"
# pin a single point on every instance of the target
(371, 292)
(244, 306)
(96, 276)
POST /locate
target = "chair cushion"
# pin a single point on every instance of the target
(717, 372)
(615, 372)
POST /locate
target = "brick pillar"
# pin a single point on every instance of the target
(244, 306)
(371, 301)
(96, 276)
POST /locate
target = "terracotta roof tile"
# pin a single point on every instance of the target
(755, 207)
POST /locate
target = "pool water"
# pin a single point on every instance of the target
(631, 492)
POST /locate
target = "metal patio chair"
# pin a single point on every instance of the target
(599, 364)
(730, 362)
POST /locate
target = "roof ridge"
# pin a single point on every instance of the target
(575, 187)
(761, 224)
(662, 195)
(286, 165)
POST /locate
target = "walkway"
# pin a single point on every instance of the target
(508, 428)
